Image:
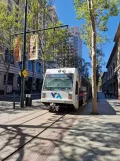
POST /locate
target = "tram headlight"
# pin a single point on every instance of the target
(43, 95)
(69, 96)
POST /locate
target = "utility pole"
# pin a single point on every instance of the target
(24, 59)
(44, 63)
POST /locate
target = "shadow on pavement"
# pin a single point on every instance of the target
(89, 140)
(104, 107)
(7, 107)
(16, 136)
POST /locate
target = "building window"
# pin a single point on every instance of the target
(30, 65)
(10, 79)
(20, 65)
(38, 67)
(11, 61)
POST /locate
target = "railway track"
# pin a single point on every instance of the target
(33, 138)
(16, 137)
(20, 121)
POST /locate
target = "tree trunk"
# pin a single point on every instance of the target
(6, 83)
(44, 67)
(94, 89)
(7, 66)
(93, 49)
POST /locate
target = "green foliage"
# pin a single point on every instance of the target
(51, 40)
(9, 23)
(34, 9)
(83, 67)
(102, 10)
(100, 63)
(95, 14)
(54, 39)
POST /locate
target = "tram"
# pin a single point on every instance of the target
(63, 88)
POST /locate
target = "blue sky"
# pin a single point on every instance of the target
(67, 15)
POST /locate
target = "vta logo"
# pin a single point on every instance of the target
(56, 95)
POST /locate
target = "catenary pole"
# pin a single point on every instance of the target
(23, 58)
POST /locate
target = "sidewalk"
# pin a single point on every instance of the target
(10, 97)
(92, 137)
(103, 105)
(88, 138)
(18, 95)
(7, 113)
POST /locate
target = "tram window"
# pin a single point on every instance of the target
(76, 90)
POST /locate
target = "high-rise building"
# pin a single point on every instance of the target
(73, 49)
(75, 41)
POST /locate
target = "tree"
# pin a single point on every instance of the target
(99, 63)
(8, 24)
(95, 15)
(54, 41)
(83, 67)
(50, 41)
(11, 22)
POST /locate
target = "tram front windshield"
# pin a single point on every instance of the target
(58, 82)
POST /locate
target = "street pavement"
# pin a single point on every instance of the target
(8, 114)
(92, 137)
(76, 137)
(103, 105)
(10, 97)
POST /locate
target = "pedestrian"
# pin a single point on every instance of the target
(108, 93)
(97, 96)
(105, 92)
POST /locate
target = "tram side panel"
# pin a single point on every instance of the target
(84, 91)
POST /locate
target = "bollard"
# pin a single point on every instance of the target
(14, 100)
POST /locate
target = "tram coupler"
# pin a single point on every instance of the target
(57, 108)
(53, 107)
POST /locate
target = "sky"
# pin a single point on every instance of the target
(67, 15)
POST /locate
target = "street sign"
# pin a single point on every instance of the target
(25, 73)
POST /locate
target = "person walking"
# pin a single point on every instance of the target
(108, 93)
(97, 96)
(105, 93)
